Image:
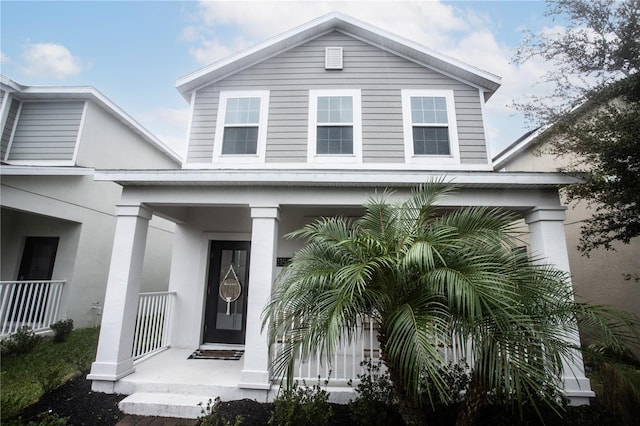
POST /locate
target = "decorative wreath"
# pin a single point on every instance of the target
(230, 288)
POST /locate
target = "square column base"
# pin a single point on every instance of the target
(111, 371)
(255, 380)
(577, 391)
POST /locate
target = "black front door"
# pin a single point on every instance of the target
(226, 307)
(38, 258)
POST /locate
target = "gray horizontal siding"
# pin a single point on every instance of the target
(379, 74)
(13, 106)
(46, 131)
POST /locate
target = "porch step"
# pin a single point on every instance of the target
(164, 404)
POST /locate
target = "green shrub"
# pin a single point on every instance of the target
(376, 402)
(49, 419)
(61, 330)
(22, 341)
(212, 417)
(456, 380)
(615, 378)
(301, 406)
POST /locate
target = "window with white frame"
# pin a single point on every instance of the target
(241, 126)
(430, 130)
(335, 127)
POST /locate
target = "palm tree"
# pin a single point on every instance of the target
(424, 273)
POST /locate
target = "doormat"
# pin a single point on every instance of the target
(225, 354)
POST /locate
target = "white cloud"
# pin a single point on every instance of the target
(259, 20)
(429, 23)
(50, 60)
(176, 143)
(450, 28)
(4, 59)
(169, 125)
(172, 116)
(211, 51)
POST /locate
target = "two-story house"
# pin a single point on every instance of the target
(308, 124)
(57, 222)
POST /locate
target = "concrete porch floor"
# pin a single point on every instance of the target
(173, 366)
(168, 384)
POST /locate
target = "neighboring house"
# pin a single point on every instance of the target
(57, 222)
(308, 124)
(599, 278)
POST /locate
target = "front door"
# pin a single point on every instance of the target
(38, 258)
(226, 307)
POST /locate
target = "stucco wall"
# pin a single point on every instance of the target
(598, 278)
(82, 213)
(107, 144)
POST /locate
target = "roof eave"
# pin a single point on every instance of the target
(336, 21)
(331, 178)
(94, 95)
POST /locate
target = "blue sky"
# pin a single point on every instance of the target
(134, 51)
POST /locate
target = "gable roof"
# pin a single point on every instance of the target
(596, 96)
(23, 92)
(352, 27)
(519, 145)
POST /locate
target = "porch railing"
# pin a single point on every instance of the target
(152, 323)
(34, 304)
(348, 360)
(346, 363)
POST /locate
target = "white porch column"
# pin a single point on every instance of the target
(547, 237)
(262, 268)
(113, 359)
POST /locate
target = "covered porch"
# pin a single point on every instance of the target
(213, 209)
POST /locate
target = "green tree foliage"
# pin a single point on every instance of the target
(594, 110)
(424, 274)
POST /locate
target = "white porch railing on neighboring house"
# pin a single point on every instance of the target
(152, 323)
(347, 362)
(34, 304)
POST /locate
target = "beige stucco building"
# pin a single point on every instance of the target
(600, 277)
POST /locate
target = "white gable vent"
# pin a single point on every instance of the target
(333, 58)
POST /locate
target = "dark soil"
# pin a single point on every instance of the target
(79, 403)
(257, 414)
(76, 401)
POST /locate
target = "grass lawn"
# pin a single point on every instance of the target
(25, 378)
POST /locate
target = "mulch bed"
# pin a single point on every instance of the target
(76, 400)
(82, 406)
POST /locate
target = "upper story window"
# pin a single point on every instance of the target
(335, 126)
(241, 129)
(430, 129)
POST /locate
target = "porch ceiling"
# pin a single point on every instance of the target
(332, 178)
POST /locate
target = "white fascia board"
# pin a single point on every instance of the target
(504, 157)
(267, 48)
(347, 24)
(91, 93)
(330, 178)
(509, 152)
(17, 170)
(12, 86)
(400, 167)
(415, 51)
